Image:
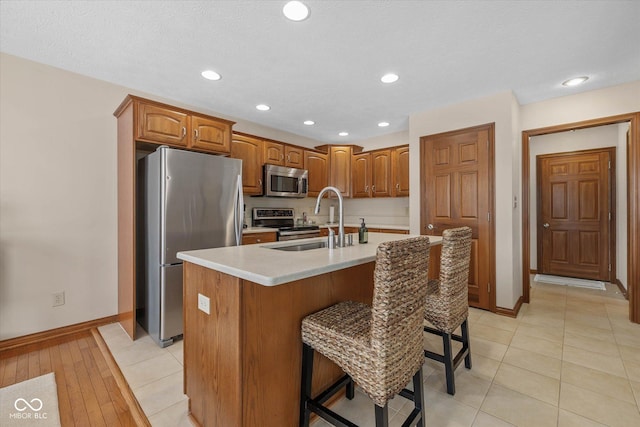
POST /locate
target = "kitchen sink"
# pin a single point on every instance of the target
(302, 246)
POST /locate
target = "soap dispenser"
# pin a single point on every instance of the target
(363, 233)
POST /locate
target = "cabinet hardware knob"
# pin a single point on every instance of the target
(545, 225)
(195, 133)
(184, 131)
(430, 227)
(398, 186)
(373, 188)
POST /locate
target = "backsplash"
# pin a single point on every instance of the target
(382, 211)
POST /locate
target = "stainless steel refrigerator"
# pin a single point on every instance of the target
(186, 201)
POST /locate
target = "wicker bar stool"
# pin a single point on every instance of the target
(378, 347)
(448, 302)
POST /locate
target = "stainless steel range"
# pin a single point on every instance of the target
(283, 220)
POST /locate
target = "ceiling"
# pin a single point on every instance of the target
(328, 67)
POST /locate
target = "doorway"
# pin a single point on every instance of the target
(632, 194)
(576, 214)
(456, 189)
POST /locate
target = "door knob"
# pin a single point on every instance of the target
(430, 227)
(545, 225)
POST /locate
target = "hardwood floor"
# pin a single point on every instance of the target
(91, 389)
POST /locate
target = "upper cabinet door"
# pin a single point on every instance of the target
(162, 125)
(361, 175)
(294, 157)
(249, 150)
(381, 174)
(340, 165)
(273, 153)
(210, 135)
(318, 166)
(400, 172)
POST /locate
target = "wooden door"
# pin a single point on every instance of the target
(381, 173)
(293, 157)
(318, 166)
(400, 172)
(457, 190)
(340, 164)
(273, 153)
(361, 175)
(162, 125)
(249, 150)
(210, 135)
(574, 213)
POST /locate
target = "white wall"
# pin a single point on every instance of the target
(58, 196)
(501, 109)
(582, 139)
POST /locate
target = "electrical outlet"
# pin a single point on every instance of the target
(58, 299)
(203, 303)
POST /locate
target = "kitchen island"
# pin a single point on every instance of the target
(242, 359)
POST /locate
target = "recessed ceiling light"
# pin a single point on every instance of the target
(309, 122)
(383, 124)
(575, 81)
(211, 75)
(343, 133)
(263, 107)
(295, 11)
(389, 78)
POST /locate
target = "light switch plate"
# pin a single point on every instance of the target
(203, 303)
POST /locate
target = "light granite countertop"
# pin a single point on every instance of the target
(261, 264)
(252, 230)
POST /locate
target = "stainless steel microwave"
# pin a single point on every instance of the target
(285, 182)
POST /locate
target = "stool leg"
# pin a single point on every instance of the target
(382, 416)
(418, 393)
(466, 343)
(448, 364)
(305, 384)
(350, 389)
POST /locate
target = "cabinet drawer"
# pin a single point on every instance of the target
(250, 239)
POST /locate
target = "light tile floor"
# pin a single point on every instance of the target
(571, 358)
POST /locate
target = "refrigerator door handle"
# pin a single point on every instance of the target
(238, 211)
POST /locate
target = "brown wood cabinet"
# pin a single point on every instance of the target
(250, 150)
(276, 153)
(371, 174)
(273, 153)
(252, 238)
(294, 157)
(400, 171)
(381, 173)
(162, 124)
(210, 135)
(318, 166)
(361, 175)
(340, 168)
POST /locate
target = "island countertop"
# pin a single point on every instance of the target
(263, 265)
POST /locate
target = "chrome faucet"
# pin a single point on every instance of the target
(341, 239)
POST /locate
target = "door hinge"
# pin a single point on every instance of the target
(609, 164)
(488, 288)
(488, 216)
(609, 216)
(609, 267)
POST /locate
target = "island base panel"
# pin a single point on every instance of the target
(267, 339)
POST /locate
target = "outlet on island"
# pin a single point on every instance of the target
(203, 303)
